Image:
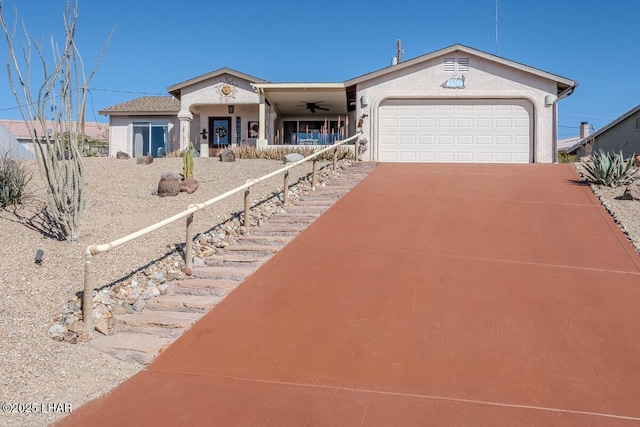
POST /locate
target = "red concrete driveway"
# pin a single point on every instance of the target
(431, 294)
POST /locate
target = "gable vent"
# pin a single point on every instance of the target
(463, 65)
(449, 65)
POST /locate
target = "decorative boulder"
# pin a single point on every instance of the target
(169, 184)
(227, 156)
(189, 185)
(122, 155)
(636, 161)
(292, 157)
(632, 192)
(145, 160)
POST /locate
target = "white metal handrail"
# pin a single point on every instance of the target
(92, 250)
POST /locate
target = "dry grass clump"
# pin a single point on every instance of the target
(277, 153)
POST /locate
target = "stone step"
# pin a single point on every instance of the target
(270, 241)
(170, 320)
(268, 225)
(218, 288)
(185, 303)
(306, 209)
(293, 219)
(131, 347)
(277, 230)
(253, 249)
(228, 273)
(236, 260)
(319, 201)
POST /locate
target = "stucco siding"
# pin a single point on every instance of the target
(121, 131)
(622, 137)
(209, 92)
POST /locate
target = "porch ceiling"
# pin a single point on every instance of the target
(294, 99)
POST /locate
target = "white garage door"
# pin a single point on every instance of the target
(483, 131)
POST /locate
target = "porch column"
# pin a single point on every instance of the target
(185, 118)
(262, 141)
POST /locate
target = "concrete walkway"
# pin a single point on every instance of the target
(431, 294)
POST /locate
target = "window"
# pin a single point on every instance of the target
(313, 132)
(453, 65)
(637, 123)
(149, 138)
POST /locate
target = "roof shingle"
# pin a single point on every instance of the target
(145, 104)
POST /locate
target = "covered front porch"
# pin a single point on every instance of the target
(227, 109)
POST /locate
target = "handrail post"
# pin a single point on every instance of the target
(247, 220)
(188, 261)
(285, 193)
(314, 179)
(356, 145)
(335, 161)
(87, 294)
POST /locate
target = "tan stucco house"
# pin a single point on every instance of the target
(621, 135)
(457, 104)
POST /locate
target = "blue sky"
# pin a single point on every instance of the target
(156, 45)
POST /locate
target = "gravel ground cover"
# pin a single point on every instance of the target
(34, 369)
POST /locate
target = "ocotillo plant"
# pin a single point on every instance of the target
(187, 161)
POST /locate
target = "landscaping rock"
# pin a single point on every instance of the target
(227, 156)
(292, 157)
(169, 184)
(122, 155)
(632, 192)
(145, 160)
(189, 185)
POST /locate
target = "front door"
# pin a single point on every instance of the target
(220, 131)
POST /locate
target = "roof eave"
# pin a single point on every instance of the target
(175, 89)
(429, 56)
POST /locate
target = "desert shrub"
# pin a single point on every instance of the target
(277, 153)
(567, 158)
(608, 169)
(14, 178)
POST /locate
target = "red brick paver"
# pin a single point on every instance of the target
(429, 295)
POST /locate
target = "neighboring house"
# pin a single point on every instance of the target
(457, 104)
(622, 134)
(10, 146)
(567, 145)
(20, 131)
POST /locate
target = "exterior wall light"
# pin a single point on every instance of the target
(548, 100)
(364, 101)
(230, 108)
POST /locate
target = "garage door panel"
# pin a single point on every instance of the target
(464, 157)
(427, 140)
(445, 140)
(465, 139)
(456, 131)
(484, 157)
(447, 123)
(408, 139)
(465, 122)
(427, 156)
(407, 156)
(388, 156)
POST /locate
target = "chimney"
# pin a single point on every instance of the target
(584, 130)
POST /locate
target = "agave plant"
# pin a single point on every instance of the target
(610, 170)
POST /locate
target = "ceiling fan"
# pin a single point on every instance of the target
(312, 107)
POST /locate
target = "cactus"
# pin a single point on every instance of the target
(187, 161)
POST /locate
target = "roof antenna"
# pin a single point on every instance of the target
(399, 45)
(496, 27)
